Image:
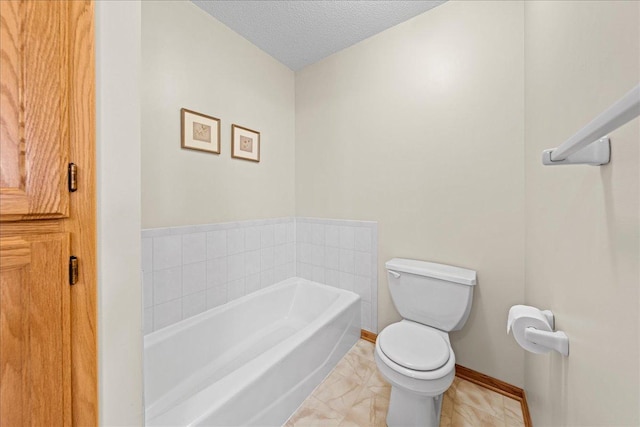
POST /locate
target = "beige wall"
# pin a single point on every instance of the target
(118, 221)
(191, 60)
(421, 129)
(582, 234)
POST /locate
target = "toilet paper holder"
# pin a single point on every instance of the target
(557, 340)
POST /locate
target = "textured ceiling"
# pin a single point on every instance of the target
(299, 33)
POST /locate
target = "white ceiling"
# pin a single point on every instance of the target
(299, 33)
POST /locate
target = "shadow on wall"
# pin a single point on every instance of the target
(558, 387)
(623, 231)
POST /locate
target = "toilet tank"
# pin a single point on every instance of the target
(433, 294)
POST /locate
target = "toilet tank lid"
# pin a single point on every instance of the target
(431, 269)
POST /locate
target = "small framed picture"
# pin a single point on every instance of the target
(199, 132)
(245, 143)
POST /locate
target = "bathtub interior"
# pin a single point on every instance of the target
(188, 357)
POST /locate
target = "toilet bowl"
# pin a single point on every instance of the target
(416, 387)
(415, 354)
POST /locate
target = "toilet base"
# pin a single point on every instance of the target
(407, 409)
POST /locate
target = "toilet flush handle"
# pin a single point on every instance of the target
(394, 274)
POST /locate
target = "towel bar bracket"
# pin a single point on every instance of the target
(594, 154)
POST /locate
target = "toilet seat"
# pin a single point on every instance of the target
(414, 346)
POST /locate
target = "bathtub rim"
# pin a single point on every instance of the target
(259, 366)
(166, 332)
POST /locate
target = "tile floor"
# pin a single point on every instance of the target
(354, 394)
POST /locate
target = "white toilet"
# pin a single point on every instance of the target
(415, 354)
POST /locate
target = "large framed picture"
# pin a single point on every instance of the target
(245, 143)
(199, 132)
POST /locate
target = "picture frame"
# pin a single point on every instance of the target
(245, 143)
(199, 132)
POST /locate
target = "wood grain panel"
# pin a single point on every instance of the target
(19, 228)
(16, 253)
(35, 113)
(35, 347)
(11, 169)
(82, 221)
(47, 120)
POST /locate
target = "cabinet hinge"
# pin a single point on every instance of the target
(72, 177)
(73, 270)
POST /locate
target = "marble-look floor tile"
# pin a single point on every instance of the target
(378, 384)
(355, 367)
(369, 409)
(477, 397)
(355, 394)
(468, 416)
(445, 421)
(314, 413)
(451, 391)
(338, 392)
(513, 422)
(513, 413)
(364, 349)
(447, 406)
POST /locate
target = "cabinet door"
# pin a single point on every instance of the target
(34, 110)
(35, 349)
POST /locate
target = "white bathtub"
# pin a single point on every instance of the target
(251, 361)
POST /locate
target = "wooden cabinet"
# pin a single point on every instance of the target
(48, 371)
(35, 113)
(35, 331)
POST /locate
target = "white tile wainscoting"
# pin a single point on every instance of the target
(343, 254)
(188, 270)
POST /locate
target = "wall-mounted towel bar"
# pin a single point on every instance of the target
(590, 146)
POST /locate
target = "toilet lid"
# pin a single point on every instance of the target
(414, 346)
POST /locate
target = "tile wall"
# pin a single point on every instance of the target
(187, 270)
(343, 254)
